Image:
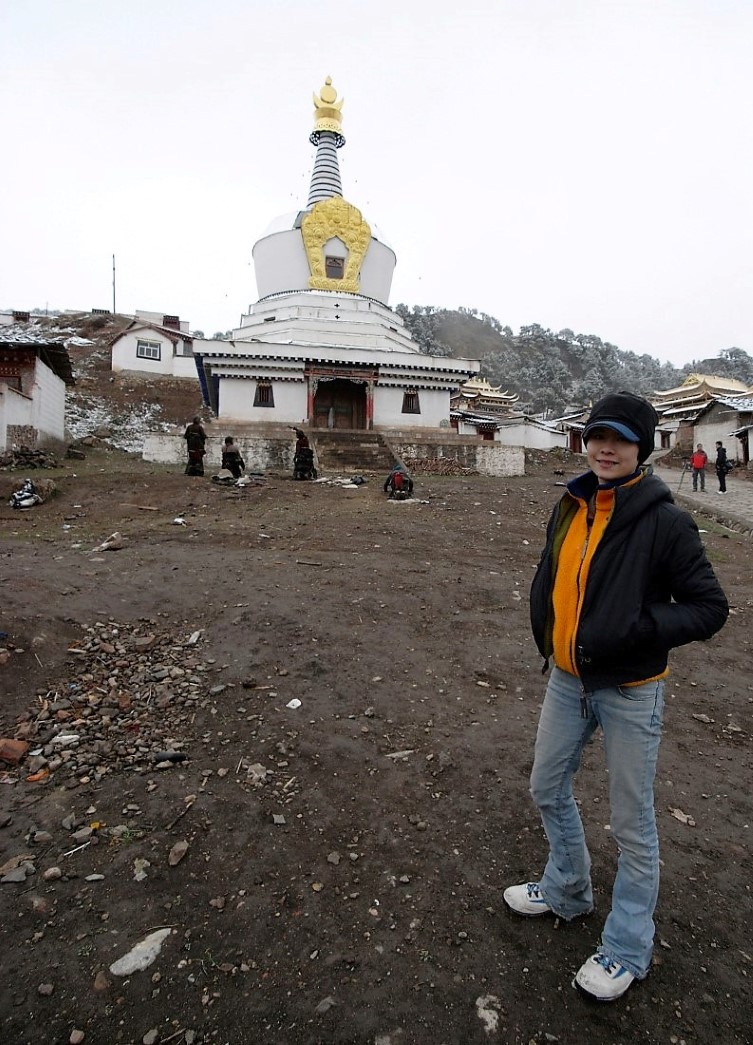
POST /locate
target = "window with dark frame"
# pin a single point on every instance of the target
(411, 404)
(148, 350)
(334, 267)
(263, 395)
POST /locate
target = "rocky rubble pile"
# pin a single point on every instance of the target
(128, 705)
(25, 458)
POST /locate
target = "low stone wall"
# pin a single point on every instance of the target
(261, 453)
(274, 452)
(486, 458)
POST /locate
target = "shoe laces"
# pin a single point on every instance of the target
(610, 966)
(533, 891)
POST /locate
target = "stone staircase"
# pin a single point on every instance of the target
(340, 450)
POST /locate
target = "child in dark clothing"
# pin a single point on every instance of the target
(231, 458)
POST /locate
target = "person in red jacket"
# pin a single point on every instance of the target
(698, 461)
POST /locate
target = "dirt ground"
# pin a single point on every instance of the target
(345, 860)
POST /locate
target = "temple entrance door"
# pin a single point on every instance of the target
(340, 404)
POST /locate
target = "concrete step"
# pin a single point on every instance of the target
(351, 451)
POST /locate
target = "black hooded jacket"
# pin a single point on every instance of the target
(650, 586)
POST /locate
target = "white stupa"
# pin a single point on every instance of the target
(321, 346)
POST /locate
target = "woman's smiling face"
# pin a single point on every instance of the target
(610, 456)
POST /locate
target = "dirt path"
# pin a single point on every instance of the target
(345, 857)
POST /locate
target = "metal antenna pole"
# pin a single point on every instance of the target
(113, 284)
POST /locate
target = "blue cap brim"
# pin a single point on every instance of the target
(616, 426)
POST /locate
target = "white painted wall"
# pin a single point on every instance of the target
(185, 367)
(261, 453)
(377, 271)
(280, 263)
(322, 317)
(495, 459)
(388, 408)
(124, 353)
(43, 409)
(48, 396)
(172, 361)
(236, 402)
(708, 435)
(531, 436)
(15, 409)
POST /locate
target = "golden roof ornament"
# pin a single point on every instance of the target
(327, 114)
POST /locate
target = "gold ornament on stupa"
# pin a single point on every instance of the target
(327, 111)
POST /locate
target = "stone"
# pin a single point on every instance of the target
(101, 982)
(177, 853)
(12, 751)
(142, 955)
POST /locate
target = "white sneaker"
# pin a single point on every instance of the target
(526, 899)
(602, 978)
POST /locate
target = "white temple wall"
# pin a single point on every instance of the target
(388, 408)
(236, 401)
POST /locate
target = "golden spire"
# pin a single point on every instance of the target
(327, 110)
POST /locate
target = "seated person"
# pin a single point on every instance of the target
(398, 483)
(231, 458)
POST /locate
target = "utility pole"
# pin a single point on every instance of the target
(113, 284)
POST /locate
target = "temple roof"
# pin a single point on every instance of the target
(695, 383)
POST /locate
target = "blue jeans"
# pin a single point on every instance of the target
(631, 721)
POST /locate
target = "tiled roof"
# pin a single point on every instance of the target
(49, 346)
(743, 403)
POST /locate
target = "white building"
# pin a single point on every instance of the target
(154, 343)
(321, 346)
(34, 369)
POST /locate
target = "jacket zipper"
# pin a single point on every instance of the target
(581, 595)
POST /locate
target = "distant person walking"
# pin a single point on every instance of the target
(698, 462)
(722, 466)
(196, 439)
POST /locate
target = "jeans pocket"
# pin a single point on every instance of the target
(644, 691)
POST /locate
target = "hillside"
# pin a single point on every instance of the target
(554, 371)
(124, 405)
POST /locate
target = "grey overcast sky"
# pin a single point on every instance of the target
(582, 164)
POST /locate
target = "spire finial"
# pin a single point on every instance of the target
(327, 113)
